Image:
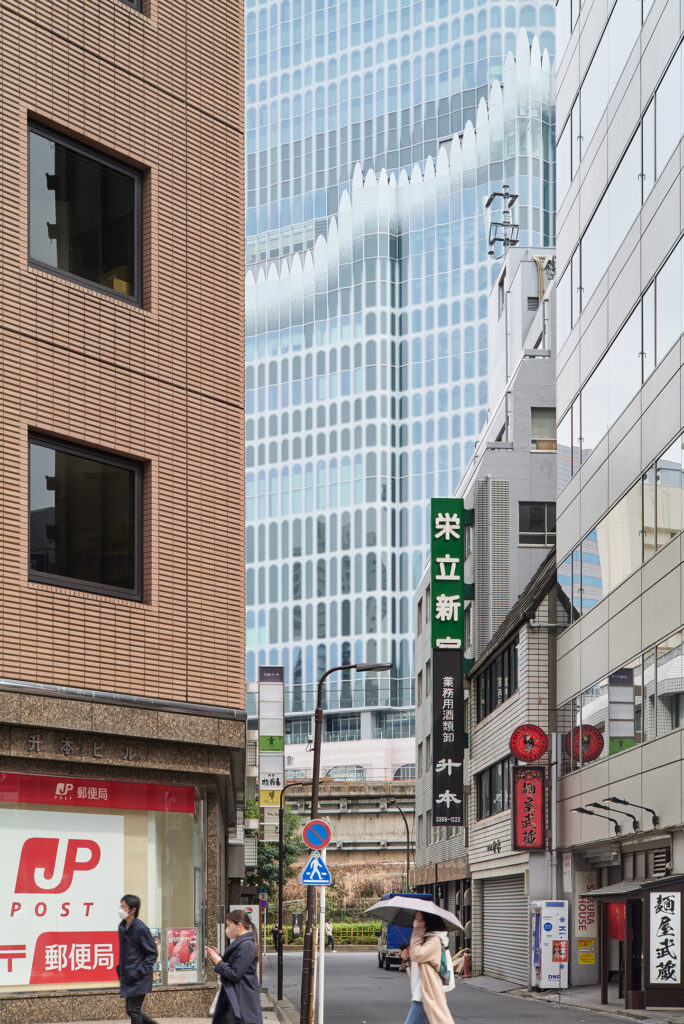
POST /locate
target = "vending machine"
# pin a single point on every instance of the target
(550, 934)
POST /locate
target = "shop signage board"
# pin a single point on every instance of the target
(567, 872)
(60, 869)
(447, 737)
(554, 938)
(528, 742)
(448, 518)
(621, 710)
(528, 787)
(586, 952)
(271, 744)
(586, 915)
(665, 914)
(67, 791)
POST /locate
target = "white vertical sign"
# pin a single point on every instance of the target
(666, 941)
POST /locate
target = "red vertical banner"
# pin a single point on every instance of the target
(529, 808)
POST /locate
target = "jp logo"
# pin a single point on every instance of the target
(40, 870)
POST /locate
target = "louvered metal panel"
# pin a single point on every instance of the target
(505, 928)
(491, 558)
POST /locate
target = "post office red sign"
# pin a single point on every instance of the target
(529, 808)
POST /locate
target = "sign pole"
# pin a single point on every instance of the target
(321, 944)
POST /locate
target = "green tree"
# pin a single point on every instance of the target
(266, 876)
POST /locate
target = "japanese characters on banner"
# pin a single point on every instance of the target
(271, 748)
(447, 591)
(62, 878)
(666, 938)
(447, 737)
(529, 808)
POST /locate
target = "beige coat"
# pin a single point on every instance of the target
(428, 956)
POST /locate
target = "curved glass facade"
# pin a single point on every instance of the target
(374, 134)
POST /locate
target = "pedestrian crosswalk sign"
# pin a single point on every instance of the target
(316, 872)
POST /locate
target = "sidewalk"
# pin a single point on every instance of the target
(267, 1009)
(588, 997)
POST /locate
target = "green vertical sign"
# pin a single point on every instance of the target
(447, 555)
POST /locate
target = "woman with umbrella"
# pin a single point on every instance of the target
(428, 1001)
(428, 939)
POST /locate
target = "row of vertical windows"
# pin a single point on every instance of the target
(498, 681)
(652, 328)
(649, 150)
(493, 789)
(646, 518)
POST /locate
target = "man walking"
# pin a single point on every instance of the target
(329, 936)
(137, 957)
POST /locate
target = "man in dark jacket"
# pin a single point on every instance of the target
(137, 957)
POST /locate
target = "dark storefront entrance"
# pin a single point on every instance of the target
(645, 918)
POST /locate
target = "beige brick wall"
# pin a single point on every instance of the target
(163, 90)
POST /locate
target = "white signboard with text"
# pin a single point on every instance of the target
(61, 879)
(666, 938)
(586, 917)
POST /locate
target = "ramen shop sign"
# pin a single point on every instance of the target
(529, 808)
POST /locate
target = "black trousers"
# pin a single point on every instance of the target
(135, 1011)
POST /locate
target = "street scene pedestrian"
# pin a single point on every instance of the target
(137, 957)
(428, 1000)
(329, 938)
(239, 1001)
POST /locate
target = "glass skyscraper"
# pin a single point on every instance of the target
(375, 131)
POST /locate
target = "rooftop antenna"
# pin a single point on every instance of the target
(505, 230)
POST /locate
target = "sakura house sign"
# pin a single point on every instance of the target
(61, 878)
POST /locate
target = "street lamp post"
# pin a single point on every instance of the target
(408, 846)
(303, 784)
(308, 960)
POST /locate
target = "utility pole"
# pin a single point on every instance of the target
(308, 957)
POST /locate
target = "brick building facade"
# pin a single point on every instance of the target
(121, 467)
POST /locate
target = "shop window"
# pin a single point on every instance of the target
(119, 837)
(84, 215)
(85, 519)
(543, 429)
(537, 522)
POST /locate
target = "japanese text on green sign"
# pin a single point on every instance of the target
(447, 551)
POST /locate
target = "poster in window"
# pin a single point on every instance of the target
(529, 808)
(666, 938)
(157, 969)
(181, 945)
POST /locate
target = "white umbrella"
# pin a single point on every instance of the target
(400, 910)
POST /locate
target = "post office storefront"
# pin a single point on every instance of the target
(71, 847)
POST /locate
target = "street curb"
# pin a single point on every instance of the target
(286, 1011)
(642, 1015)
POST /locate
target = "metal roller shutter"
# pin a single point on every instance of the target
(452, 889)
(505, 928)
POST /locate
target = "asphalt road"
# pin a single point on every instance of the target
(357, 992)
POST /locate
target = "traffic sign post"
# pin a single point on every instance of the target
(316, 871)
(316, 834)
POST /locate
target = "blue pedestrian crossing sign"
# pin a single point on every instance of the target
(316, 872)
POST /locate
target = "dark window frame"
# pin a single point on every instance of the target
(485, 790)
(97, 455)
(491, 695)
(36, 128)
(548, 537)
(136, 5)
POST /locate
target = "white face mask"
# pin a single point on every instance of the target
(123, 914)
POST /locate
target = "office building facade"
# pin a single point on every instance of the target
(620, 320)
(371, 145)
(122, 720)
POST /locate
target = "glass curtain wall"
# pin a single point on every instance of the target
(374, 133)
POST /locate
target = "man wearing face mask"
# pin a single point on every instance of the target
(137, 957)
